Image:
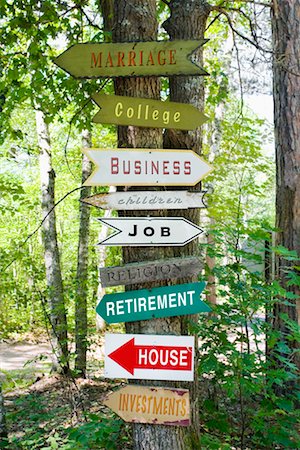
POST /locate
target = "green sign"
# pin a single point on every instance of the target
(161, 58)
(144, 112)
(147, 304)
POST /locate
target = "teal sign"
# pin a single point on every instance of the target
(147, 304)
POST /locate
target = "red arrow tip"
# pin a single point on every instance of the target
(125, 356)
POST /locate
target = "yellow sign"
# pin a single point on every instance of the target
(154, 405)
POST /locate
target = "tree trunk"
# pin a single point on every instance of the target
(286, 86)
(58, 317)
(3, 430)
(82, 266)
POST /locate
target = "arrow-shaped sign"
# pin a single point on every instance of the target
(155, 405)
(145, 167)
(133, 200)
(144, 112)
(149, 357)
(150, 231)
(161, 58)
(147, 304)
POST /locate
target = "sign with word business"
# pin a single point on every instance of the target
(161, 58)
(155, 405)
(145, 304)
(149, 357)
(145, 167)
(133, 200)
(150, 231)
(143, 272)
(144, 112)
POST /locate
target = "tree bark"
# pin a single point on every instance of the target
(58, 317)
(3, 430)
(82, 266)
(286, 87)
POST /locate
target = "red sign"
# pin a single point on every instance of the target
(131, 356)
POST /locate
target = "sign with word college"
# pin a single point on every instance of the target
(145, 304)
(144, 356)
(155, 405)
(142, 272)
(144, 112)
(162, 58)
(145, 167)
(133, 200)
(150, 231)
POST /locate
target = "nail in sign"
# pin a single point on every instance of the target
(145, 167)
(143, 112)
(94, 60)
(155, 405)
(150, 357)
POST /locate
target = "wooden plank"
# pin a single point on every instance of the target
(142, 272)
(144, 112)
(161, 58)
(145, 167)
(155, 405)
(147, 200)
(154, 303)
(150, 231)
(149, 357)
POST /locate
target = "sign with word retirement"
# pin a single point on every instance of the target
(149, 357)
(155, 405)
(144, 112)
(146, 304)
(161, 58)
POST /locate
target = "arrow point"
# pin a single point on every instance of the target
(125, 356)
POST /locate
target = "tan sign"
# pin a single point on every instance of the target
(161, 58)
(153, 405)
(144, 112)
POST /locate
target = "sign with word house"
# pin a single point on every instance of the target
(149, 357)
(155, 405)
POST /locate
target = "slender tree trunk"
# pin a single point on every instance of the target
(286, 86)
(3, 430)
(82, 266)
(52, 259)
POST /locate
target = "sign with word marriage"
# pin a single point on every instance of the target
(145, 304)
(133, 200)
(143, 272)
(145, 167)
(150, 231)
(155, 405)
(149, 357)
(144, 112)
(161, 58)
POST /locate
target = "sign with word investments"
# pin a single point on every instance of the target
(145, 304)
(143, 272)
(150, 357)
(145, 167)
(161, 58)
(155, 405)
(150, 231)
(144, 112)
(133, 200)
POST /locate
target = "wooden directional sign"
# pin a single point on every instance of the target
(161, 58)
(143, 272)
(144, 356)
(145, 304)
(155, 405)
(133, 200)
(145, 167)
(150, 231)
(144, 112)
